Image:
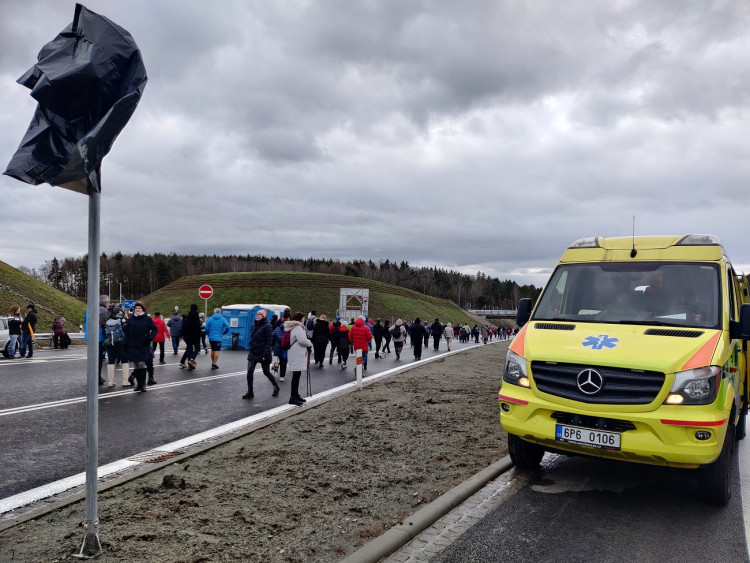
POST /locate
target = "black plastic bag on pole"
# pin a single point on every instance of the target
(88, 81)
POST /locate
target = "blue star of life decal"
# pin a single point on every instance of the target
(600, 342)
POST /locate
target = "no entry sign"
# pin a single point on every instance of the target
(206, 291)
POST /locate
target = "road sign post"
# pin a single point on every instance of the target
(205, 292)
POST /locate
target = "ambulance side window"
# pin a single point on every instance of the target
(732, 288)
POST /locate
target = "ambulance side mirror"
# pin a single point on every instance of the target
(524, 311)
(741, 330)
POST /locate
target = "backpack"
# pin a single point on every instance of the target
(396, 331)
(113, 334)
(286, 340)
(310, 323)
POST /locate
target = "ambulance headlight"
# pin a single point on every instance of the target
(697, 386)
(515, 370)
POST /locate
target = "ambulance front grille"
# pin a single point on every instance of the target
(618, 386)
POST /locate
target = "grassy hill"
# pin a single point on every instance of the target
(302, 291)
(17, 288)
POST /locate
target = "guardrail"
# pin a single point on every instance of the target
(48, 336)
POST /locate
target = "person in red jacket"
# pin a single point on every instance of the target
(163, 332)
(360, 337)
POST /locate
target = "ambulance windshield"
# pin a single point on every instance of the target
(648, 293)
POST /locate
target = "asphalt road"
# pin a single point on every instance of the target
(43, 412)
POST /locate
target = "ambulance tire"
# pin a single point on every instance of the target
(715, 479)
(741, 430)
(523, 454)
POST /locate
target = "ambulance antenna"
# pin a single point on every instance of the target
(634, 251)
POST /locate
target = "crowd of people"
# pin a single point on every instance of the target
(283, 345)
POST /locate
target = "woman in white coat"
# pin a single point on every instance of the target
(298, 357)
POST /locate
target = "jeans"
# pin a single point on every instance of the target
(13, 344)
(26, 340)
(191, 351)
(175, 343)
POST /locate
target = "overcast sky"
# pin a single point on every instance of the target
(482, 135)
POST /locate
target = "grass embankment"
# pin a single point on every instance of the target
(302, 291)
(16, 288)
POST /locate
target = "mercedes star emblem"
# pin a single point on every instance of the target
(590, 381)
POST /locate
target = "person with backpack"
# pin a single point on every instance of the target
(398, 333)
(216, 327)
(259, 352)
(426, 334)
(139, 331)
(278, 351)
(298, 354)
(310, 325)
(114, 340)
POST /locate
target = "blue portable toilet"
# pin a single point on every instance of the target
(241, 318)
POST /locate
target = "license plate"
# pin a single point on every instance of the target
(588, 437)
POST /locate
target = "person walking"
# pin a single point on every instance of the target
(333, 330)
(139, 331)
(426, 334)
(418, 335)
(448, 334)
(216, 327)
(191, 334)
(485, 334)
(27, 331)
(15, 320)
(299, 354)
(114, 343)
(259, 352)
(175, 329)
(360, 337)
(340, 334)
(377, 333)
(278, 351)
(321, 335)
(386, 338)
(161, 335)
(399, 335)
(436, 330)
(203, 332)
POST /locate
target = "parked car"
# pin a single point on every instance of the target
(4, 337)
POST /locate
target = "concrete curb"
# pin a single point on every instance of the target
(402, 533)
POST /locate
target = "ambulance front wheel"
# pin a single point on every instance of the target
(524, 454)
(715, 479)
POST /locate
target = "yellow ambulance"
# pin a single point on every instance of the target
(636, 350)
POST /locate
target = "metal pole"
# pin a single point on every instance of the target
(91, 545)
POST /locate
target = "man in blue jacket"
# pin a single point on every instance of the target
(216, 327)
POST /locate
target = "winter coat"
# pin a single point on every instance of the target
(278, 333)
(29, 321)
(417, 332)
(191, 328)
(216, 327)
(321, 334)
(341, 335)
(175, 325)
(360, 335)
(448, 333)
(139, 332)
(399, 337)
(14, 324)
(298, 356)
(387, 331)
(161, 328)
(436, 329)
(261, 337)
(58, 328)
(378, 331)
